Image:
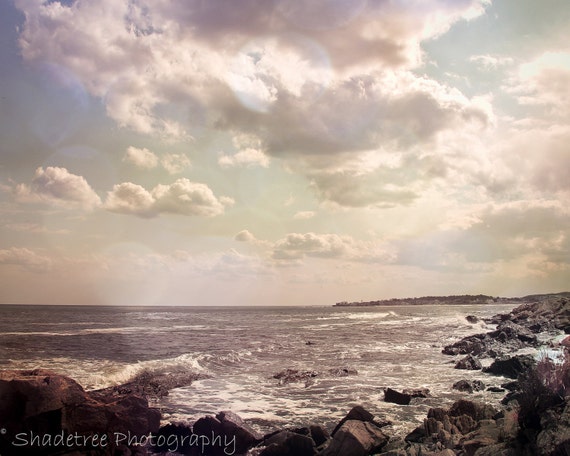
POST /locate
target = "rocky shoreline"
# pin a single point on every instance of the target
(45, 413)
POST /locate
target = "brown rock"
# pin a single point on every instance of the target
(356, 438)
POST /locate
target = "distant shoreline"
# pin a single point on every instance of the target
(464, 300)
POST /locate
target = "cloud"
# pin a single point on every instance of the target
(296, 246)
(182, 197)
(25, 258)
(491, 62)
(175, 163)
(517, 233)
(58, 187)
(545, 81)
(244, 236)
(145, 159)
(142, 158)
(247, 157)
(317, 86)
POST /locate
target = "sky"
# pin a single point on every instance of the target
(268, 152)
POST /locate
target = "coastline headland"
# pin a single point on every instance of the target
(45, 413)
(454, 300)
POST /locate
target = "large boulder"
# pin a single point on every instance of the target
(356, 438)
(508, 331)
(48, 404)
(287, 443)
(511, 367)
(224, 430)
(406, 396)
(359, 413)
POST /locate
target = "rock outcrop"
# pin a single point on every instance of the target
(44, 412)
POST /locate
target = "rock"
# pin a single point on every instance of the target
(166, 443)
(417, 435)
(230, 427)
(468, 345)
(554, 438)
(391, 395)
(44, 402)
(508, 330)
(319, 434)
(476, 410)
(342, 372)
(487, 433)
(293, 375)
(356, 438)
(511, 367)
(287, 443)
(497, 449)
(472, 319)
(359, 413)
(417, 392)
(151, 384)
(495, 389)
(469, 386)
(469, 363)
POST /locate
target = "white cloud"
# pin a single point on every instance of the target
(129, 198)
(58, 187)
(175, 163)
(182, 197)
(246, 157)
(25, 258)
(142, 158)
(296, 246)
(244, 236)
(317, 90)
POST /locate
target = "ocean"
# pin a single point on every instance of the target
(240, 349)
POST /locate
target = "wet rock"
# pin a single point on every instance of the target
(151, 385)
(417, 392)
(511, 367)
(342, 372)
(469, 386)
(509, 330)
(287, 443)
(356, 438)
(391, 395)
(472, 319)
(293, 375)
(474, 345)
(495, 389)
(468, 363)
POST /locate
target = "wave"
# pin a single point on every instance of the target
(116, 330)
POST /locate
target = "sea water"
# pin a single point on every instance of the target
(238, 350)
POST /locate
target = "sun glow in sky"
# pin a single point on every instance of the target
(268, 152)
